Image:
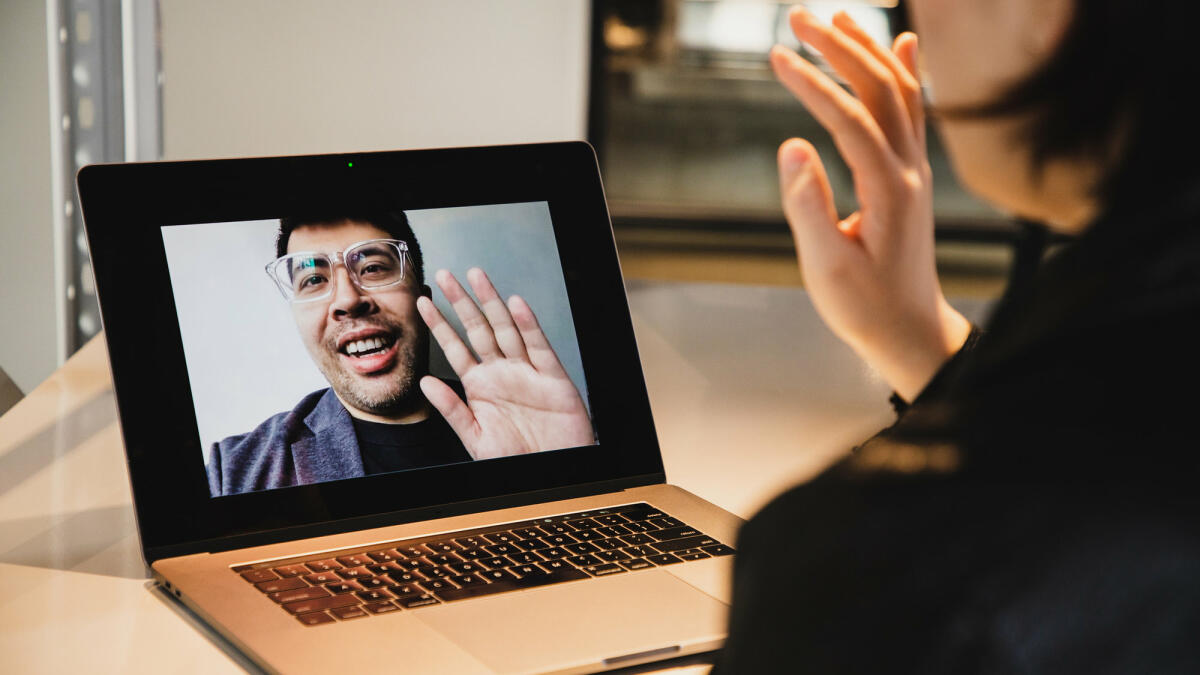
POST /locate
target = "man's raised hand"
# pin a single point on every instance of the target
(519, 397)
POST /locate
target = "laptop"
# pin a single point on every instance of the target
(385, 410)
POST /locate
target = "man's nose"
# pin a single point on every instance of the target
(348, 299)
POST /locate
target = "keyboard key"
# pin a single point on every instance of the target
(410, 551)
(287, 571)
(474, 553)
(612, 531)
(337, 588)
(559, 539)
(674, 533)
(604, 570)
(309, 593)
(323, 565)
(465, 567)
(471, 542)
(586, 535)
(556, 528)
(376, 582)
(608, 544)
(255, 576)
(407, 577)
(635, 564)
(354, 560)
(439, 572)
(637, 539)
(663, 559)
(554, 553)
(666, 523)
(435, 585)
(582, 524)
(314, 618)
(497, 575)
(495, 563)
(278, 585)
(526, 558)
(531, 544)
(501, 538)
(318, 604)
(555, 565)
(414, 601)
(682, 544)
(416, 564)
(384, 568)
(581, 547)
(611, 556)
(639, 527)
(443, 558)
(522, 571)
(693, 555)
(352, 612)
(584, 560)
(467, 580)
(383, 556)
(373, 595)
(322, 578)
(355, 573)
(640, 551)
(610, 519)
(645, 514)
(446, 546)
(381, 607)
(718, 549)
(528, 533)
(501, 549)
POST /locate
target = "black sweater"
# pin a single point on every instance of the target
(1034, 511)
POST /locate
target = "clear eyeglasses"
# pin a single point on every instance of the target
(308, 276)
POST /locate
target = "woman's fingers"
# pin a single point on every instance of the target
(809, 208)
(855, 132)
(870, 77)
(479, 331)
(905, 49)
(506, 333)
(907, 83)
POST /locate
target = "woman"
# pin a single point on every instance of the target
(1033, 508)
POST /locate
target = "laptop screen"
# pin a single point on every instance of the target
(309, 344)
(303, 373)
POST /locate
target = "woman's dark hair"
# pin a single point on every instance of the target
(1113, 92)
(395, 223)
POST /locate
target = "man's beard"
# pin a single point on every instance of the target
(392, 394)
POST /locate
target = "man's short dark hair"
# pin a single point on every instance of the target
(1111, 93)
(395, 223)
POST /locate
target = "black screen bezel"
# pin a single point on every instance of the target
(124, 207)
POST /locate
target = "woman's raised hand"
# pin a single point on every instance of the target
(871, 276)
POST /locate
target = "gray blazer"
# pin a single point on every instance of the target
(311, 443)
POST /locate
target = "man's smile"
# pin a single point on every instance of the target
(368, 351)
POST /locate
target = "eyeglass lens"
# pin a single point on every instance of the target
(370, 264)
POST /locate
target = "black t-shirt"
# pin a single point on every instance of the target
(399, 447)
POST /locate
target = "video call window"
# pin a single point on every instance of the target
(315, 355)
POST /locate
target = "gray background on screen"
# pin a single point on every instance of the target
(244, 357)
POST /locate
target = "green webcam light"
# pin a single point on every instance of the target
(350, 164)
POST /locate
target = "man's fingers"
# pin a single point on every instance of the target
(541, 354)
(457, 354)
(858, 137)
(868, 75)
(808, 206)
(479, 331)
(506, 333)
(458, 415)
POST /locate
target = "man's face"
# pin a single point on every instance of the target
(381, 325)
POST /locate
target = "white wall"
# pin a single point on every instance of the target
(262, 77)
(28, 344)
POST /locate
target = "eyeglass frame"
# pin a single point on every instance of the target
(338, 258)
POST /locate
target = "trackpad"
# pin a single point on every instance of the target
(581, 623)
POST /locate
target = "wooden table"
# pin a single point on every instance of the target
(750, 392)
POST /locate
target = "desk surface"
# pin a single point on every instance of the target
(750, 393)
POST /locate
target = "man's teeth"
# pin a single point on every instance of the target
(368, 345)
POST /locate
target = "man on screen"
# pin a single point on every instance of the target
(357, 291)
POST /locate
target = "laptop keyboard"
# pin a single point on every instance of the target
(414, 573)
